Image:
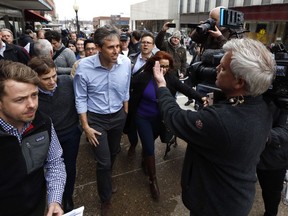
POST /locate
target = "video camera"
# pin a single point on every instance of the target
(278, 91)
(228, 18)
(208, 24)
(205, 70)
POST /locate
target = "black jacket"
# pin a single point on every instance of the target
(224, 147)
(22, 182)
(275, 154)
(15, 53)
(24, 40)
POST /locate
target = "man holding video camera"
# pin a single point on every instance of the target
(209, 34)
(225, 140)
(210, 37)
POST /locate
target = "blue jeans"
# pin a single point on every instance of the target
(70, 145)
(148, 130)
(133, 135)
(111, 127)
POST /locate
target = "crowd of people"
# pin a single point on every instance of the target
(54, 88)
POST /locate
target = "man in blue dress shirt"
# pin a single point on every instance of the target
(101, 86)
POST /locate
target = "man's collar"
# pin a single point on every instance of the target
(48, 92)
(97, 62)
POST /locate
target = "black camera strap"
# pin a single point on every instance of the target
(58, 52)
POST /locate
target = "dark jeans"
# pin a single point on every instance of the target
(148, 130)
(111, 127)
(70, 145)
(271, 182)
(133, 135)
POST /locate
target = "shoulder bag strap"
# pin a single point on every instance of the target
(58, 52)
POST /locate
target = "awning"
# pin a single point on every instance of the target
(27, 4)
(32, 16)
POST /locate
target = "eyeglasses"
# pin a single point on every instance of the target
(165, 66)
(146, 42)
(90, 49)
(80, 44)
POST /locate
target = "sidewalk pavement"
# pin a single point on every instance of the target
(133, 195)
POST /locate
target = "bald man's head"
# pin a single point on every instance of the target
(215, 14)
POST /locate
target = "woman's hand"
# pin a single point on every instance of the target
(159, 75)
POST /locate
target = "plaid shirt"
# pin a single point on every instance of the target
(55, 174)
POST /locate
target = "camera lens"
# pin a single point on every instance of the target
(209, 24)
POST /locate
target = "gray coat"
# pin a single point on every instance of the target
(65, 61)
(178, 53)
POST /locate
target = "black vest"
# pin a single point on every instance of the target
(22, 182)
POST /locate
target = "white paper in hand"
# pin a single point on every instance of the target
(76, 212)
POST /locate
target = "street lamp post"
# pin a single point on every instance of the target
(76, 8)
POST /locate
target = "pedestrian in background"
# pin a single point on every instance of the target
(7, 35)
(124, 43)
(72, 45)
(134, 44)
(89, 49)
(80, 53)
(174, 48)
(63, 57)
(13, 52)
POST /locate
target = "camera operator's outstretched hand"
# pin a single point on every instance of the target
(215, 33)
(159, 75)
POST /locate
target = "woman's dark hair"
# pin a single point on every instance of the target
(71, 42)
(157, 57)
(87, 41)
(55, 35)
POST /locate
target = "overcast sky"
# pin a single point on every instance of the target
(93, 8)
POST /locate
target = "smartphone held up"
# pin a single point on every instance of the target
(171, 25)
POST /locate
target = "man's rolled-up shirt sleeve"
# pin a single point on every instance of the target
(80, 90)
